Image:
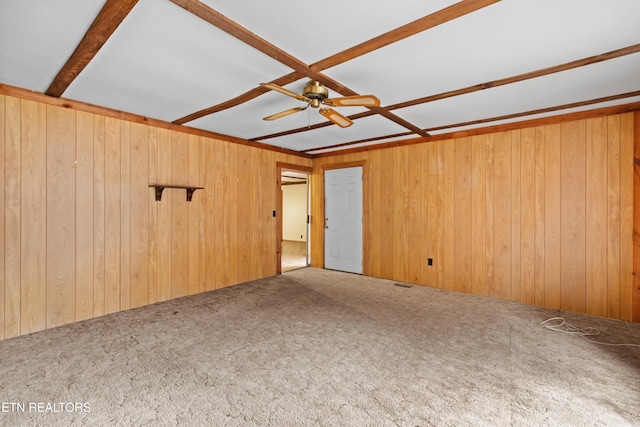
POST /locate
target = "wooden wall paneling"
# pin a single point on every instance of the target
(210, 192)
(139, 215)
(527, 215)
(400, 228)
(540, 215)
(98, 215)
(375, 183)
(179, 216)
(516, 216)
(268, 205)
(233, 206)
(12, 216)
(33, 203)
(439, 259)
(194, 214)
(433, 212)
(489, 154)
(125, 215)
(415, 223)
(244, 242)
(573, 216)
(478, 215)
(112, 215)
(84, 215)
(463, 230)
(596, 217)
(61, 233)
(448, 206)
(387, 216)
(223, 215)
(2, 213)
(502, 216)
(626, 215)
(153, 216)
(202, 218)
(635, 304)
(254, 224)
(165, 219)
(613, 217)
(552, 216)
(425, 249)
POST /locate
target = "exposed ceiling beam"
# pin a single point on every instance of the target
(247, 96)
(440, 17)
(234, 29)
(523, 114)
(521, 77)
(108, 19)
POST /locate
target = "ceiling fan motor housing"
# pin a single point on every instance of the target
(316, 92)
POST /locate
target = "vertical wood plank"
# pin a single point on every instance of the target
(400, 208)
(552, 216)
(211, 194)
(635, 303)
(540, 215)
(502, 222)
(165, 221)
(193, 208)
(61, 233)
(12, 216)
(490, 213)
(626, 215)
(528, 215)
(202, 219)
(254, 223)
(463, 215)
(387, 215)
(99, 215)
(432, 212)
(572, 208)
(596, 217)
(375, 184)
(112, 215)
(233, 208)
(179, 216)
(153, 216)
(139, 290)
(448, 209)
(84, 215)
(478, 216)
(222, 215)
(613, 217)
(415, 222)
(33, 201)
(243, 240)
(125, 215)
(516, 217)
(3, 116)
(269, 179)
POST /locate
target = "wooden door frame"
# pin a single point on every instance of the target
(365, 208)
(281, 167)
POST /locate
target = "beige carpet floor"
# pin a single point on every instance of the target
(323, 348)
(294, 255)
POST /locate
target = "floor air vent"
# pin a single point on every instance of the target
(402, 285)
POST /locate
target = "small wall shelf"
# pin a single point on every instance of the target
(160, 188)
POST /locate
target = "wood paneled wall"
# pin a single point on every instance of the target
(540, 215)
(81, 234)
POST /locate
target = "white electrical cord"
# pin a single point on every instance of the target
(558, 324)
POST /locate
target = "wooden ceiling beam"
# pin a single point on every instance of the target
(108, 19)
(433, 20)
(521, 77)
(234, 29)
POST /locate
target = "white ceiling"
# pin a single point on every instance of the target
(165, 62)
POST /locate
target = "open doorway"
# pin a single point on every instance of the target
(294, 233)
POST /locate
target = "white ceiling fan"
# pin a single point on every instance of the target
(315, 94)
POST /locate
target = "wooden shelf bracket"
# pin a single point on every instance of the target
(160, 188)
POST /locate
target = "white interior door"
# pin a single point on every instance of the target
(343, 219)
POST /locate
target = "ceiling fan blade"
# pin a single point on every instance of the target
(336, 117)
(285, 113)
(353, 101)
(285, 91)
